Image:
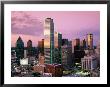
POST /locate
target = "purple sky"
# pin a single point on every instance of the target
(72, 24)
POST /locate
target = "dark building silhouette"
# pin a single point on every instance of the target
(29, 44)
(77, 44)
(64, 42)
(78, 52)
(19, 49)
(31, 51)
(83, 44)
(29, 48)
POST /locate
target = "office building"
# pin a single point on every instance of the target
(41, 46)
(49, 40)
(55, 69)
(30, 49)
(57, 47)
(83, 44)
(29, 44)
(40, 67)
(89, 62)
(76, 44)
(67, 59)
(64, 42)
(90, 41)
(19, 49)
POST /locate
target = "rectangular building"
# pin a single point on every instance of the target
(49, 40)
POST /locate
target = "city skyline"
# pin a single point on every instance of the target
(85, 22)
(55, 56)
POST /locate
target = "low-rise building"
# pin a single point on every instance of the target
(55, 69)
(89, 62)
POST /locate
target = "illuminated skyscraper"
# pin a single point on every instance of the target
(57, 47)
(90, 41)
(41, 46)
(57, 40)
(49, 40)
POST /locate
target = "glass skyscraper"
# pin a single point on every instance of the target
(57, 47)
(49, 40)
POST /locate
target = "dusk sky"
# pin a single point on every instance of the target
(72, 24)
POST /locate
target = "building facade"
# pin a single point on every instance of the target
(90, 41)
(19, 49)
(49, 40)
(89, 63)
(57, 48)
(41, 46)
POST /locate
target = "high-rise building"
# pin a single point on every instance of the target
(41, 46)
(49, 40)
(83, 44)
(19, 48)
(56, 44)
(77, 44)
(90, 41)
(78, 53)
(29, 43)
(72, 46)
(67, 59)
(29, 48)
(64, 42)
(57, 47)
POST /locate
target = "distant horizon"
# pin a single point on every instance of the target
(72, 24)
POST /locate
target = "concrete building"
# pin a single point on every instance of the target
(89, 62)
(40, 67)
(55, 69)
(67, 59)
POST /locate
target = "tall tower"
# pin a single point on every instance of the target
(57, 47)
(19, 49)
(49, 40)
(83, 44)
(29, 43)
(77, 44)
(90, 41)
(29, 48)
(41, 46)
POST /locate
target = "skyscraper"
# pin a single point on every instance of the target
(29, 43)
(57, 47)
(83, 44)
(41, 46)
(19, 49)
(77, 44)
(90, 41)
(49, 40)
(64, 42)
(29, 48)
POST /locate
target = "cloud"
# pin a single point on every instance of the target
(24, 23)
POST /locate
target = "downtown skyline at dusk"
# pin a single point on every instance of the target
(72, 24)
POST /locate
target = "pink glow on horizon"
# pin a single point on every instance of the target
(72, 24)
